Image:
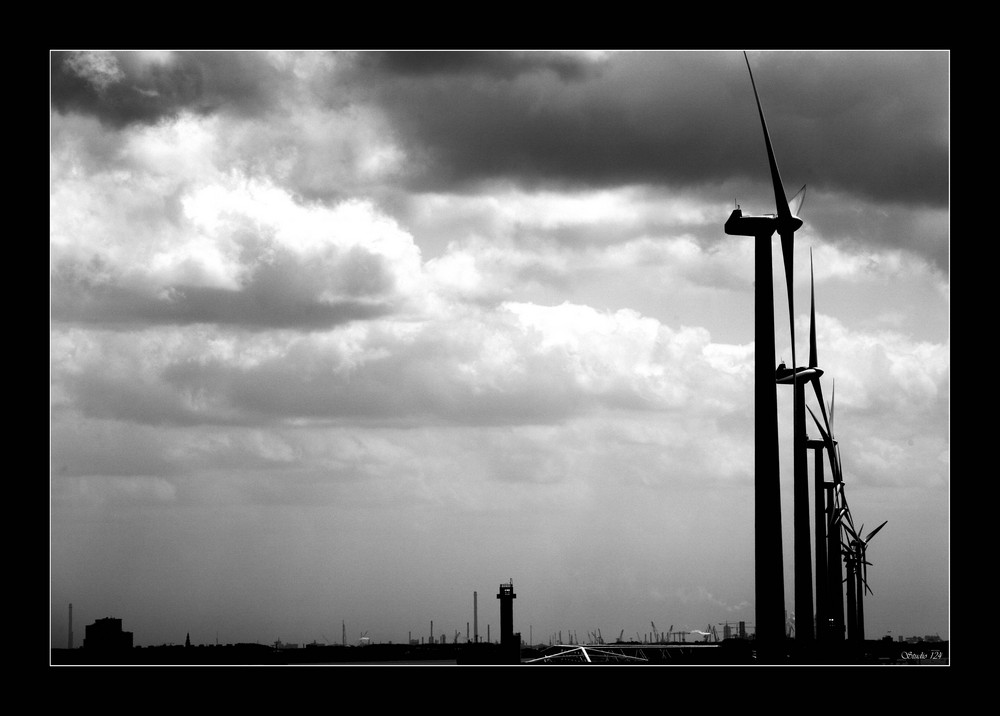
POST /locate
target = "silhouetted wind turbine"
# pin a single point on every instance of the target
(769, 578)
(829, 594)
(837, 511)
(858, 551)
(785, 222)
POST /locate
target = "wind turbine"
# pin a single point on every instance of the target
(797, 377)
(837, 511)
(857, 554)
(826, 547)
(769, 578)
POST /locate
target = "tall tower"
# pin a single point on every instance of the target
(506, 596)
(769, 591)
(70, 626)
(475, 617)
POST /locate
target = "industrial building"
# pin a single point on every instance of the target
(107, 635)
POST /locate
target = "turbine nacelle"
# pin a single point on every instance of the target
(740, 224)
(786, 376)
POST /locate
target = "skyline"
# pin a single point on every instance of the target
(349, 336)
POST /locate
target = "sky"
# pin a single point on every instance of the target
(338, 339)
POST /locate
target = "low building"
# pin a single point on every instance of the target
(107, 635)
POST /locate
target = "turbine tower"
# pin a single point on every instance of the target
(837, 510)
(769, 578)
(829, 606)
(857, 559)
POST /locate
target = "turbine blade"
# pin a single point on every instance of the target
(818, 390)
(813, 362)
(796, 202)
(822, 432)
(849, 525)
(838, 491)
(874, 532)
(781, 203)
(786, 223)
(833, 396)
(787, 255)
(830, 446)
(850, 517)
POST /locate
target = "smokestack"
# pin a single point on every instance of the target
(343, 633)
(432, 633)
(71, 626)
(475, 617)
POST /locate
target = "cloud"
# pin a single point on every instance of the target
(521, 364)
(479, 64)
(270, 298)
(233, 252)
(100, 69)
(123, 88)
(675, 118)
(891, 403)
(329, 125)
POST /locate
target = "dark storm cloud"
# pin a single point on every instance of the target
(873, 125)
(284, 292)
(131, 398)
(493, 65)
(921, 232)
(128, 308)
(127, 87)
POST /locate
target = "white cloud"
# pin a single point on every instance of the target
(99, 68)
